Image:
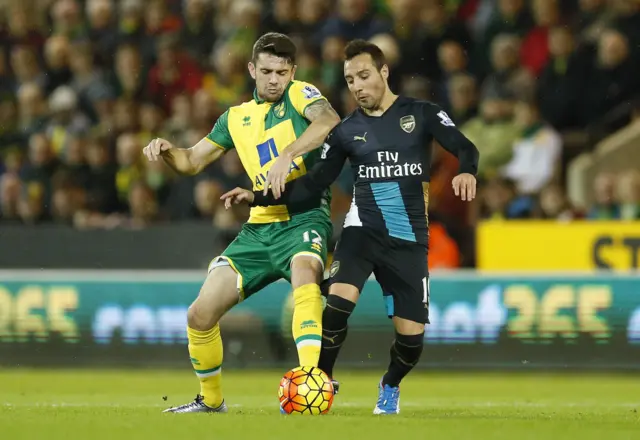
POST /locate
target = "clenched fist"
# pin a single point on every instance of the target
(156, 148)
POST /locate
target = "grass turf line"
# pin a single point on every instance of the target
(97, 405)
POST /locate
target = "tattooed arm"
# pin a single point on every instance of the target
(323, 118)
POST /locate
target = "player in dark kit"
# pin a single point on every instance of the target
(388, 143)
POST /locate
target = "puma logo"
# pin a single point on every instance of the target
(329, 338)
(362, 138)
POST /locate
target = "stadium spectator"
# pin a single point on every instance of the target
(507, 75)
(494, 132)
(613, 77)
(10, 189)
(197, 36)
(592, 18)
(536, 154)
(554, 205)
(354, 19)
(510, 18)
(453, 59)
(535, 45)
(462, 97)
(407, 29)
(102, 196)
(101, 21)
(561, 83)
(65, 119)
(606, 205)
(628, 188)
(627, 21)
(438, 28)
(25, 66)
(174, 73)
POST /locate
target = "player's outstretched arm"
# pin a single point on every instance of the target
(305, 188)
(186, 161)
(456, 143)
(323, 119)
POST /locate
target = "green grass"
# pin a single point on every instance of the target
(114, 405)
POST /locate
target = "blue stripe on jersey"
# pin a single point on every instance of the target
(394, 213)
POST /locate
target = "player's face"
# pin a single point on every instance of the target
(272, 75)
(366, 83)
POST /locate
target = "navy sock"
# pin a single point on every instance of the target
(405, 354)
(334, 331)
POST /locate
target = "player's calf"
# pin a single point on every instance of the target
(218, 294)
(405, 353)
(306, 325)
(334, 331)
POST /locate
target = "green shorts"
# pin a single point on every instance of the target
(262, 253)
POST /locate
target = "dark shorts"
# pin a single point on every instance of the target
(400, 267)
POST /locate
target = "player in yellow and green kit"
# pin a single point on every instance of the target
(282, 126)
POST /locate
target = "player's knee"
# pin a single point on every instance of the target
(218, 294)
(199, 319)
(305, 270)
(407, 327)
(337, 313)
(409, 348)
(344, 291)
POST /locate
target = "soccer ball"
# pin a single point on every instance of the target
(306, 390)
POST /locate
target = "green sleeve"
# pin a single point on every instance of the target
(220, 135)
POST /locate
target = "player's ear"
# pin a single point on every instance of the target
(384, 71)
(293, 71)
(252, 70)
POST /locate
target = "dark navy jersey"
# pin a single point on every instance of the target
(390, 156)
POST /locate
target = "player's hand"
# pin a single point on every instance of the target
(237, 196)
(277, 175)
(156, 148)
(464, 185)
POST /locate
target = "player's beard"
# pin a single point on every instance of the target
(271, 96)
(370, 103)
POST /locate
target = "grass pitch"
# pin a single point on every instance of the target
(114, 405)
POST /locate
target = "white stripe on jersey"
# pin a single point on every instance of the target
(353, 217)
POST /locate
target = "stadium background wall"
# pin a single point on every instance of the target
(122, 318)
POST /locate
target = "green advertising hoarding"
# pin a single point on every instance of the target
(119, 318)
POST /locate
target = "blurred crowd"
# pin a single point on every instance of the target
(84, 86)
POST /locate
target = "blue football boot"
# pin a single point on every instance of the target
(388, 400)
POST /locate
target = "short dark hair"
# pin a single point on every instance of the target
(360, 47)
(276, 44)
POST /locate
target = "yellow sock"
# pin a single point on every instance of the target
(307, 323)
(205, 350)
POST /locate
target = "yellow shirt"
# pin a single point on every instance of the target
(259, 131)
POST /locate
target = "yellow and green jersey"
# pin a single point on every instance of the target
(259, 131)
